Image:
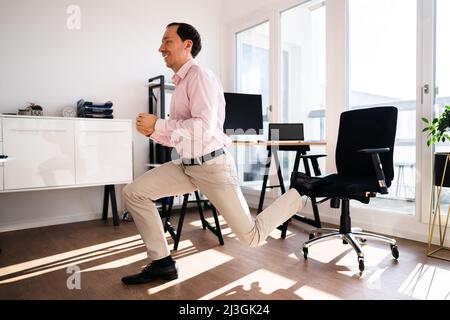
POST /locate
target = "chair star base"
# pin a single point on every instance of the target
(349, 235)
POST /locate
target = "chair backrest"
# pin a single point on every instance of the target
(287, 132)
(363, 129)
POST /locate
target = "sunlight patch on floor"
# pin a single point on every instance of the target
(276, 234)
(327, 251)
(118, 263)
(264, 281)
(198, 223)
(310, 293)
(427, 282)
(52, 263)
(227, 232)
(297, 256)
(183, 245)
(372, 257)
(373, 280)
(194, 265)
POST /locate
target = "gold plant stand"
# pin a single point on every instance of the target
(434, 250)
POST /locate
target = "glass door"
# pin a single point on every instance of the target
(302, 91)
(440, 74)
(382, 61)
(442, 62)
(253, 77)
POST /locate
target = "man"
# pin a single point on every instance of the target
(195, 129)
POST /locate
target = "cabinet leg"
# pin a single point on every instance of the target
(114, 205)
(110, 191)
(105, 203)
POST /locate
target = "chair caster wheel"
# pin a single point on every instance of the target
(361, 264)
(311, 236)
(344, 242)
(362, 240)
(305, 253)
(394, 251)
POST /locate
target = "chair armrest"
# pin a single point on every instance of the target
(376, 150)
(314, 162)
(377, 166)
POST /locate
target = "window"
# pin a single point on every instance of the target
(442, 78)
(253, 76)
(303, 74)
(442, 61)
(382, 50)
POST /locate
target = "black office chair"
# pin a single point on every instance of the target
(290, 132)
(364, 161)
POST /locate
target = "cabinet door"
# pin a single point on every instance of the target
(44, 152)
(103, 152)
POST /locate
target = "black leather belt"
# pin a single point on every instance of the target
(199, 160)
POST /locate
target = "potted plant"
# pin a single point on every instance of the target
(439, 131)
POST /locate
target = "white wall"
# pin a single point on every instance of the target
(109, 58)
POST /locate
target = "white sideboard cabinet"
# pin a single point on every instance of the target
(103, 152)
(53, 152)
(43, 150)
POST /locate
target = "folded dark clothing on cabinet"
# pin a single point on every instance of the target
(97, 116)
(82, 103)
(94, 110)
(98, 110)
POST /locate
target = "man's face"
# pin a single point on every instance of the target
(175, 51)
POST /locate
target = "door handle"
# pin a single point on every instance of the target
(425, 90)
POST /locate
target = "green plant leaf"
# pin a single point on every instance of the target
(425, 120)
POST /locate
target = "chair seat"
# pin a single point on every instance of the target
(334, 185)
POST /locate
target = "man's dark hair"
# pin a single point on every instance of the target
(187, 32)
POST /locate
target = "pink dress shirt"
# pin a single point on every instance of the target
(197, 113)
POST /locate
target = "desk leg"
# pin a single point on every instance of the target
(280, 176)
(297, 160)
(285, 225)
(316, 222)
(306, 164)
(265, 178)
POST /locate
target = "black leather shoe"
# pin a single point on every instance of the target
(305, 184)
(153, 272)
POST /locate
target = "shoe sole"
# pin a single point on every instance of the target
(170, 277)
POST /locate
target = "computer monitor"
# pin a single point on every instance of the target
(243, 114)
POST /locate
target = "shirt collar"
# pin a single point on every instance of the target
(181, 73)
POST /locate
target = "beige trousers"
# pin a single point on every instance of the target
(218, 181)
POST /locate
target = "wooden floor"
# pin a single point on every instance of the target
(41, 263)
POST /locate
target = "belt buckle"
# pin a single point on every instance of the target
(197, 160)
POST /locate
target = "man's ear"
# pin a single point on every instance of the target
(188, 44)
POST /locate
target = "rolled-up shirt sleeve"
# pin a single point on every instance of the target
(160, 138)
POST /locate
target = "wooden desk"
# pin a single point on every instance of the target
(300, 147)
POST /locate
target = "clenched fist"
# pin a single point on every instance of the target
(145, 123)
